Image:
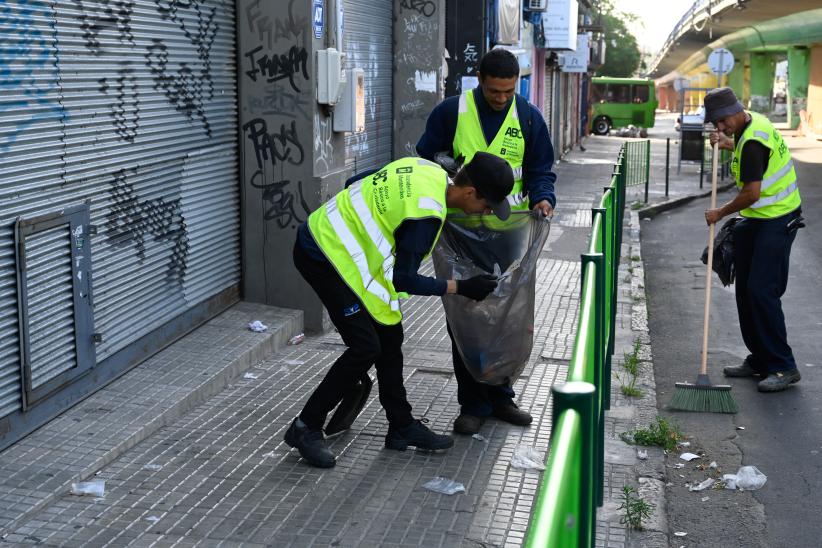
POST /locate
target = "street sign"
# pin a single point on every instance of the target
(721, 61)
(317, 18)
(680, 84)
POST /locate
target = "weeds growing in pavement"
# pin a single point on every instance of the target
(630, 363)
(635, 507)
(635, 257)
(637, 205)
(662, 433)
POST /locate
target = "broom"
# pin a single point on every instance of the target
(702, 395)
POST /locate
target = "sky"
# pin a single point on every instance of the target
(656, 19)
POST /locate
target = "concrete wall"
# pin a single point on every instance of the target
(290, 160)
(419, 69)
(815, 91)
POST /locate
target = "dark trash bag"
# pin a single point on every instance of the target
(494, 336)
(723, 263)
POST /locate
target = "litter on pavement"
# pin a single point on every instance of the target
(688, 456)
(641, 455)
(250, 376)
(747, 478)
(680, 534)
(257, 326)
(95, 488)
(702, 486)
(296, 339)
(444, 486)
(479, 437)
(526, 457)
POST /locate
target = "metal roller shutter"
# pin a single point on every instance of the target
(131, 106)
(369, 46)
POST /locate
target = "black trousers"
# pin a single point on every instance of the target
(369, 343)
(762, 252)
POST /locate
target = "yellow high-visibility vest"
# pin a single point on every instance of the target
(355, 229)
(779, 191)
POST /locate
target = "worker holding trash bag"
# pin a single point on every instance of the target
(492, 118)
(769, 204)
(360, 252)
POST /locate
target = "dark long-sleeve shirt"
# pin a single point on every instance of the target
(414, 238)
(539, 152)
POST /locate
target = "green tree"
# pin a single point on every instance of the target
(622, 56)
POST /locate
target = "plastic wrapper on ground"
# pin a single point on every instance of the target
(495, 336)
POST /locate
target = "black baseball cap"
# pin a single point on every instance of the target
(719, 103)
(493, 178)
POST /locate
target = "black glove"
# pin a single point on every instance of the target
(478, 287)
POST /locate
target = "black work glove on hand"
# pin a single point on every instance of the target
(478, 287)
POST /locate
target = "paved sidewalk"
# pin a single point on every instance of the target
(220, 474)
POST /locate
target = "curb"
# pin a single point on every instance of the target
(654, 210)
(288, 324)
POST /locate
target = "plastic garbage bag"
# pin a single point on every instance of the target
(723, 263)
(528, 458)
(747, 478)
(94, 488)
(444, 486)
(495, 336)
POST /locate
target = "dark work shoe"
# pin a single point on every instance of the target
(776, 382)
(745, 369)
(416, 435)
(468, 424)
(512, 414)
(311, 445)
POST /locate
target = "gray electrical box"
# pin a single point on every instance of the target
(349, 112)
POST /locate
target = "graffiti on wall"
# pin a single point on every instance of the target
(28, 57)
(276, 62)
(187, 85)
(418, 67)
(132, 222)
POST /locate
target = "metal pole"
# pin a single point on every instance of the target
(667, 162)
(647, 168)
(701, 161)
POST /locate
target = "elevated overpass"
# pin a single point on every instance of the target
(759, 33)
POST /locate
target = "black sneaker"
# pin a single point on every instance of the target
(776, 382)
(311, 445)
(745, 369)
(468, 424)
(512, 414)
(416, 435)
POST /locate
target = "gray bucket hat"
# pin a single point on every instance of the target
(719, 103)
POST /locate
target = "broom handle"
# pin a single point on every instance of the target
(703, 369)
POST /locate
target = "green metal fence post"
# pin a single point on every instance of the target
(609, 283)
(580, 397)
(599, 379)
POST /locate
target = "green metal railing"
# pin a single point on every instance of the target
(572, 486)
(638, 165)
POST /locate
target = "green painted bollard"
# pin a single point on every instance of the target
(579, 396)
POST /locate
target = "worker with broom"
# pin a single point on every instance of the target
(769, 204)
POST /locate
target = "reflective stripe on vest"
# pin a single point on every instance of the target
(357, 254)
(508, 143)
(355, 229)
(779, 191)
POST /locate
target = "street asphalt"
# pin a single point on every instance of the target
(780, 433)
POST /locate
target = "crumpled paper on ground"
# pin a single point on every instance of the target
(444, 486)
(528, 458)
(94, 488)
(257, 326)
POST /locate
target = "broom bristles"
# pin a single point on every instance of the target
(703, 398)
